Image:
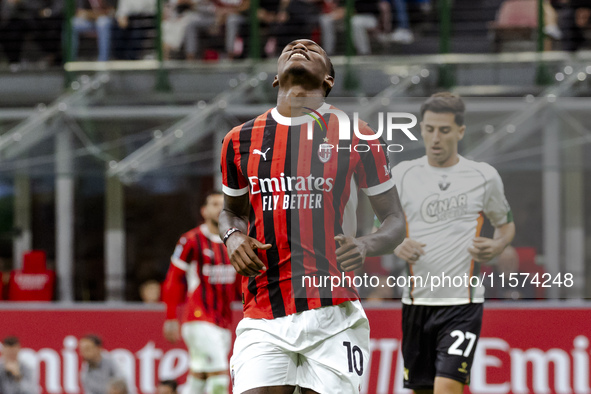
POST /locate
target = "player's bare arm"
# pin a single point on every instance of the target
(484, 249)
(410, 250)
(352, 251)
(241, 247)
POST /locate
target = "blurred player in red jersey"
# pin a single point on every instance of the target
(285, 218)
(200, 273)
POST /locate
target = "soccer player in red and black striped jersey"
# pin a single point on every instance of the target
(200, 273)
(285, 219)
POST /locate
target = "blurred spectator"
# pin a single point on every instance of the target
(295, 19)
(551, 28)
(574, 20)
(94, 16)
(167, 387)
(364, 22)
(402, 34)
(117, 386)
(150, 291)
(48, 31)
(266, 14)
(233, 18)
(40, 20)
(15, 16)
(135, 18)
(331, 21)
(184, 23)
(15, 377)
(98, 368)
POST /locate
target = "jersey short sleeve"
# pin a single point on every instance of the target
(234, 183)
(373, 168)
(496, 207)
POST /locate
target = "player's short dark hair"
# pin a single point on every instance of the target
(209, 194)
(94, 339)
(170, 383)
(11, 341)
(445, 102)
(331, 73)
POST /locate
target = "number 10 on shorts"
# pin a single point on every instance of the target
(354, 358)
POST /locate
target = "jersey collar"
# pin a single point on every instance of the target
(444, 170)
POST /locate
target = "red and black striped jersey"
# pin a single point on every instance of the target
(299, 185)
(201, 275)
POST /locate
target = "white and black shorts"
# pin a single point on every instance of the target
(439, 341)
(324, 349)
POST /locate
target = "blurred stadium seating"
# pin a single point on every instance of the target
(152, 129)
(101, 163)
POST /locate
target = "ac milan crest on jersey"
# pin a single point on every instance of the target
(324, 152)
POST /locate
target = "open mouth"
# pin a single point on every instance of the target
(298, 55)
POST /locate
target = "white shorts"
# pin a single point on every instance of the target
(324, 349)
(208, 346)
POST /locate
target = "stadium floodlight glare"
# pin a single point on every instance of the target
(519, 117)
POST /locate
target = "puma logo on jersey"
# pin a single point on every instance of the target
(444, 183)
(258, 152)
